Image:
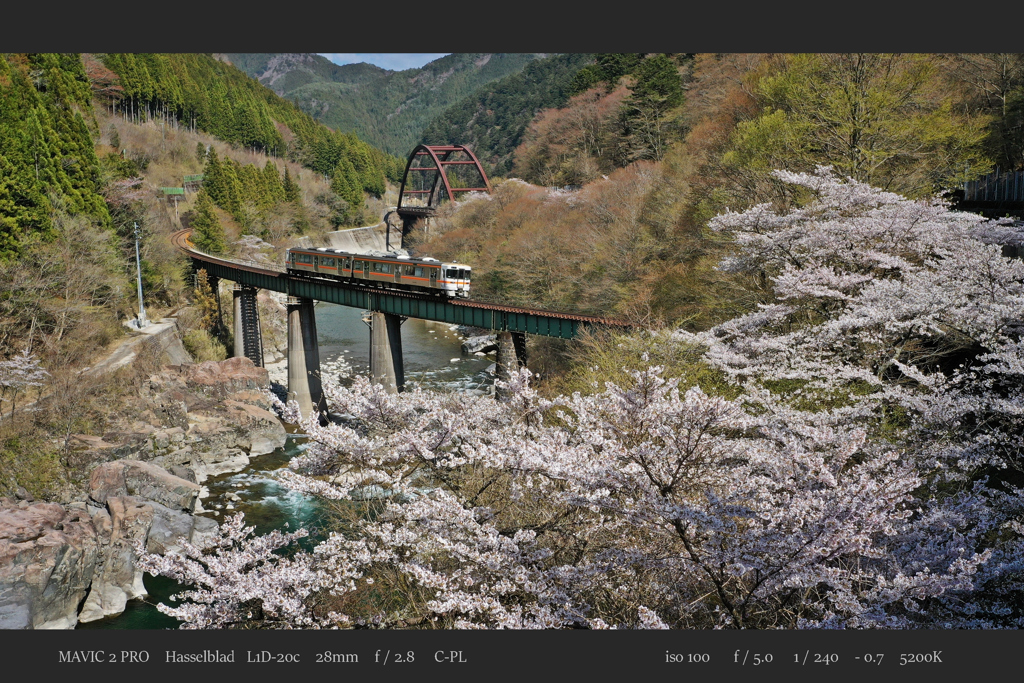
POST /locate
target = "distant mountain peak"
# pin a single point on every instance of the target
(386, 108)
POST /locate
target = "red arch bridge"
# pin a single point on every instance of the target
(433, 175)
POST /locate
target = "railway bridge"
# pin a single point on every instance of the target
(388, 309)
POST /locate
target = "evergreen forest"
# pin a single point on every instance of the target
(388, 109)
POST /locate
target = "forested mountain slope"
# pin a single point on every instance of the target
(492, 120)
(209, 95)
(46, 149)
(652, 146)
(86, 141)
(284, 72)
(388, 109)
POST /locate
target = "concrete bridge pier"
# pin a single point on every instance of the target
(386, 365)
(411, 223)
(214, 283)
(511, 357)
(304, 384)
(248, 338)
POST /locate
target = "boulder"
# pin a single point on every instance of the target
(204, 531)
(117, 580)
(210, 411)
(230, 460)
(220, 379)
(169, 529)
(143, 479)
(262, 430)
(484, 343)
(48, 556)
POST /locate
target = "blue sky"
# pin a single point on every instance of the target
(396, 61)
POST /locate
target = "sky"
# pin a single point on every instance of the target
(395, 61)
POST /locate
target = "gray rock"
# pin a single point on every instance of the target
(143, 479)
(117, 580)
(267, 441)
(169, 528)
(204, 530)
(182, 472)
(484, 343)
(48, 557)
(231, 460)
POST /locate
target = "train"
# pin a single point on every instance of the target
(383, 270)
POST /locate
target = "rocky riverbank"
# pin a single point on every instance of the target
(73, 561)
(65, 563)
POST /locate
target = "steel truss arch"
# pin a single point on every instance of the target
(443, 157)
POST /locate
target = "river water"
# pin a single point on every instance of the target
(433, 359)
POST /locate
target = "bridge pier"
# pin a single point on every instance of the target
(511, 357)
(386, 365)
(304, 384)
(248, 338)
(214, 283)
(411, 223)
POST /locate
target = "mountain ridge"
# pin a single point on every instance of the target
(388, 109)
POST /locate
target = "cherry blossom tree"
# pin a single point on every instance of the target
(904, 317)
(632, 508)
(862, 479)
(241, 581)
(18, 374)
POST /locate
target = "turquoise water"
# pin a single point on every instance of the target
(433, 359)
(266, 504)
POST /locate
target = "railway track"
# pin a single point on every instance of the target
(181, 240)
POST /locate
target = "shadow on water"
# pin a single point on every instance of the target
(143, 614)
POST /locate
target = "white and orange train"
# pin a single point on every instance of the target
(383, 270)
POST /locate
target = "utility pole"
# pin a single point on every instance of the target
(138, 266)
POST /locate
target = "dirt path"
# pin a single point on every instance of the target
(168, 344)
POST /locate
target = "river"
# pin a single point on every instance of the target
(433, 359)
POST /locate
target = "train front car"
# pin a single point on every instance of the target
(455, 279)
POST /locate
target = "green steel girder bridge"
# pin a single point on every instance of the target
(388, 309)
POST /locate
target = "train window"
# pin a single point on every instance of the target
(452, 273)
(465, 274)
(418, 272)
(358, 265)
(305, 258)
(327, 262)
(375, 267)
